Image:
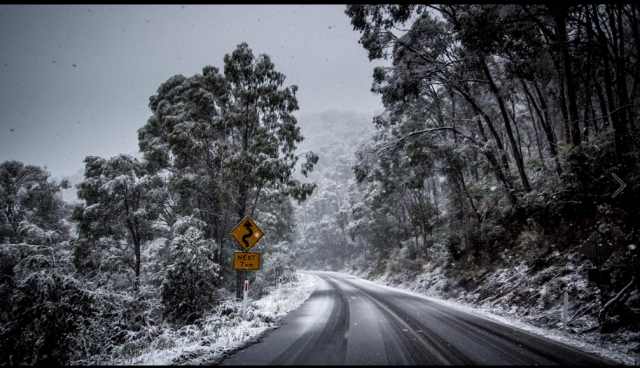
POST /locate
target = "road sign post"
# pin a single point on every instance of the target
(247, 234)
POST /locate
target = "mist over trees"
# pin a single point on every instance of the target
(322, 234)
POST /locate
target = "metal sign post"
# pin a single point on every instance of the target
(247, 234)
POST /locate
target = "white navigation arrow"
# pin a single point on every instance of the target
(621, 183)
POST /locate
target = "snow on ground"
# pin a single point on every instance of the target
(611, 351)
(221, 332)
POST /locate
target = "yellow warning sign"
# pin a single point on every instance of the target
(246, 261)
(247, 234)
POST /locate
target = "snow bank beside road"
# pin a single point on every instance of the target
(220, 332)
(617, 352)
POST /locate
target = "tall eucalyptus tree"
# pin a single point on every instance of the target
(225, 137)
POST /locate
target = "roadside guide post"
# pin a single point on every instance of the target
(599, 267)
(247, 234)
(244, 299)
(565, 312)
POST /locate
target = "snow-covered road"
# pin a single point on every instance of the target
(348, 320)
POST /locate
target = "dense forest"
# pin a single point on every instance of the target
(491, 164)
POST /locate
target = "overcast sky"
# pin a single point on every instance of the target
(76, 80)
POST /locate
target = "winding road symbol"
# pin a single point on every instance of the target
(247, 233)
(247, 225)
(622, 183)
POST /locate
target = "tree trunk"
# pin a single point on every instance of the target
(501, 178)
(535, 128)
(616, 124)
(503, 156)
(545, 122)
(563, 103)
(603, 104)
(621, 80)
(241, 215)
(507, 124)
(560, 17)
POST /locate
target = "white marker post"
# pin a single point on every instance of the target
(244, 299)
(564, 313)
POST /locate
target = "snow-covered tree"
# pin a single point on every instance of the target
(122, 199)
(31, 211)
(225, 137)
(27, 194)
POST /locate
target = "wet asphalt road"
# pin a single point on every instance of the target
(348, 321)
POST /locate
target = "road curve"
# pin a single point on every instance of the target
(349, 321)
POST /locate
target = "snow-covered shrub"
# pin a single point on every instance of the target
(453, 243)
(277, 266)
(219, 330)
(533, 245)
(483, 241)
(436, 252)
(392, 266)
(357, 263)
(10, 255)
(189, 286)
(119, 318)
(48, 309)
(545, 275)
(54, 315)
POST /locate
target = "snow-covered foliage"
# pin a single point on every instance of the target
(122, 199)
(191, 274)
(44, 305)
(28, 194)
(277, 267)
(217, 332)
